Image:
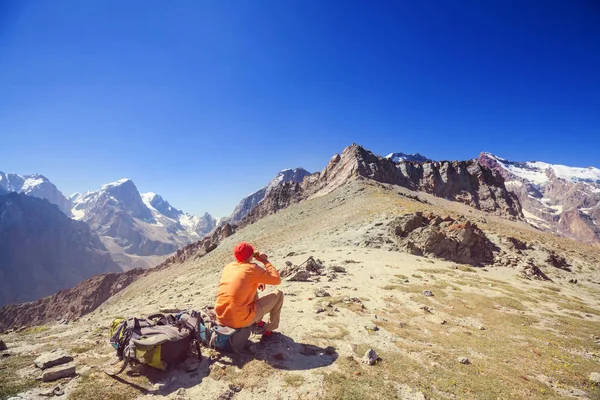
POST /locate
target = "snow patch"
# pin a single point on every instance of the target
(77, 214)
(514, 183)
(113, 184)
(31, 183)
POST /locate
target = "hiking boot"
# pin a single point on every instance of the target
(259, 328)
(270, 337)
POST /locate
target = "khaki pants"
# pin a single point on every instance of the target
(269, 304)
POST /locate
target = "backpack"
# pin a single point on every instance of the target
(219, 337)
(160, 341)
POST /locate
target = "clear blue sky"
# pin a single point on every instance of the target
(204, 102)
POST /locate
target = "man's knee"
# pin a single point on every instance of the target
(279, 294)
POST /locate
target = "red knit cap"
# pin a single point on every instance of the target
(243, 251)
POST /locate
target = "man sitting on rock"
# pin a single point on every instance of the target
(238, 304)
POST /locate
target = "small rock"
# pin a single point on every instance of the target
(299, 276)
(371, 327)
(56, 357)
(463, 360)
(338, 269)
(572, 280)
(288, 263)
(427, 293)
(319, 310)
(482, 328)
(3, 345)
(444, 322)
(330, 350)
(328, 304)
(61, 371)
(235, 388)
(320, 292)
(181, 392)
(370, 357)
(595, 378)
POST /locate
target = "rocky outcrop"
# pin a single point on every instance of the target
(454, 240)
(43, 251)
(556, 198)
(463, 181)
(68, 304)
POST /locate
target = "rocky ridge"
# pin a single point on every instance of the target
(467, 182)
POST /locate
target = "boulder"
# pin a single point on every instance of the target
(61, 371)
(3, 345)
(56, 357)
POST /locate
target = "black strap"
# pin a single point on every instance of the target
(125, 363)
(198, 350)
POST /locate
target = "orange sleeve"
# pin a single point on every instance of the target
(268, 275)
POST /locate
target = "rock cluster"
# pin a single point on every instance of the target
(443, 237)
(55, 365)
(310, 270)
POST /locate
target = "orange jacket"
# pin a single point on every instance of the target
(236, 305)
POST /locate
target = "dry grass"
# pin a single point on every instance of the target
(336, 331)
(10, 382)
(293, 380)
(34, 329)
(251, 375)
(516, 346)
(97, 386)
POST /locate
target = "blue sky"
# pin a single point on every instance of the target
(204, 102)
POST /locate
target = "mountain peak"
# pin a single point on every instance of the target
(117, 183)
(35, 185)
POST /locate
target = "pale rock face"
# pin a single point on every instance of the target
(35, 185)
(556, 198)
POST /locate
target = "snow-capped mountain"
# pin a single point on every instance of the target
(35, 185)
(554, 197)
(250, 201)
(138, 229)
(195, 226)
(397, 157)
